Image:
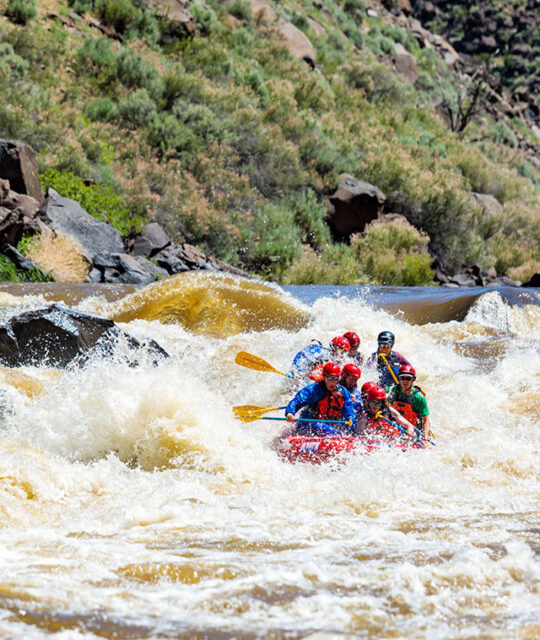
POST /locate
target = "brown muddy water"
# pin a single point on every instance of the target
(134, 505)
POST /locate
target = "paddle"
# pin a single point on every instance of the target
(381, 355)
(252, 410)
(245, 359)
(400, 428)
(252, 418)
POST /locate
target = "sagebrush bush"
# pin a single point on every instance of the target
(21, 11)
(277, 240)
(135, 73)
(394, 252)
(12, 66)
(117, 13)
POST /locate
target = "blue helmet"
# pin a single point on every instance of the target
(386, 337)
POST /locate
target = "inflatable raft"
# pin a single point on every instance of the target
(323, 449)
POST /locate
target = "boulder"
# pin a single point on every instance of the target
(176, 14)
(121, 267)
(406, 67)
(169, 260)
(18, 164)
(263, 12)
(58, 337)
(491, 206)
(534, 281)
(354, 204)
(463, 280)
(70, 219)
(152, 240)
(22, 263)
(297, 42)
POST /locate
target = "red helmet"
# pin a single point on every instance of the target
(376, 393)
(406, 371)
(367, 386)
(351, 370)
(331, 369)
(353, 338)
(339, 342)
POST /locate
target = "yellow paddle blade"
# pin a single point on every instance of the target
(245, 359)
(251, 409)
(248, 417)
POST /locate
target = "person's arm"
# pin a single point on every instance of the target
(396, 415)
(348, 412)
(307, 395)
(426, 426)
(402, 359)
(422, 410)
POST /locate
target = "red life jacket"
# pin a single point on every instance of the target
(316, 373)
(382, 428)
(404, 406)
(331, 406)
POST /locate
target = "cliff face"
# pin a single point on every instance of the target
(505, 34)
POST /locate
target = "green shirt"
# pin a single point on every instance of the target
(417, 399)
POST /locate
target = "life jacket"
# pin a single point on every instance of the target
(382, 428)
(404, 406)
(317, 373)
(330, 407)
(392, 360)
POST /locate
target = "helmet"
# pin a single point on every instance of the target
(351, 370)
(376, 393)
(367, 386)
(353, 338)
(331, 369)
(406, 371)
(339, 342)
(386, 337)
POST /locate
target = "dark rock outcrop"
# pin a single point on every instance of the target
(59, 337)
(354, 205)
(69, 218)
(18, 164)
(534, 281)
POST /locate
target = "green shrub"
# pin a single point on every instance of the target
(137, 109)
(10, 273)
(502, 134)
(11, 65)
(145, 25)
(336, 265)
(394, 253)
(117, 13)
(103, 109)
(21, 11)
(81, 6)
(205, 18)
(241, 9)
(134, 72)
(310, 214)
(277, 241)
(100, 201)
(166, 133)
(97, 51)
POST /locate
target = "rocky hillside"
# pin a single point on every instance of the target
(338, 142)
(505, 34)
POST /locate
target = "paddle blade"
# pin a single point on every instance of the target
(248, 417)
(245, 359)
(252, 409)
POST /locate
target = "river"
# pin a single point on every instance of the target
(135, 506)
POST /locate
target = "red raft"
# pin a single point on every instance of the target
(316, 450)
